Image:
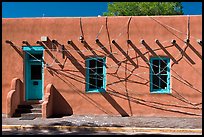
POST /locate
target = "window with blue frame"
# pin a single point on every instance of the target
(159, 75)
(95, 74)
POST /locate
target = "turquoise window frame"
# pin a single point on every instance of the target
(33, 48)
(160, 90)
(94, 90)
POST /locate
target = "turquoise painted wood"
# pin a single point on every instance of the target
(34, 72)
(158, 88)
(95, 88)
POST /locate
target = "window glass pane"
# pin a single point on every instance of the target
(92, 71)
(155, 82)
(155, 65)
(100, 66)
(163, 81)
(36, 72)
(92, 66)
(35, 56)
(100, 81)
(163, 66)
(92, 82)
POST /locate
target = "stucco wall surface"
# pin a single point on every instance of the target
(128, 80)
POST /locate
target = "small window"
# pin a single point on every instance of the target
(160, 75)
(36, 72)
(95, 75)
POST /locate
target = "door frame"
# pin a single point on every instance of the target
(30, 50)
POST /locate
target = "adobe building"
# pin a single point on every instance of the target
(123, 65)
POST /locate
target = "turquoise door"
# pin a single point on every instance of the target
(34, 72)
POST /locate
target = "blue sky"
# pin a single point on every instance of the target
(71, 9)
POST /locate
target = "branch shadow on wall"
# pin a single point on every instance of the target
(167, 53)
(148, 48)
(81, 93)
(126, 77)
(77, 49)
(127, 80)
(184, 81)
(107, 52)
(183, 53)
(117, 107)
(16, 49)
(50, 44)
(139, 52)
(105, 95)
(118, 63)
(47, 46)
(125, 54)
(194, 50)
(67, 74)
(75, 62)
(86, 45)
(112, 91)
(151, 104)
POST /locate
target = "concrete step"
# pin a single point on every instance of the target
(19, 114)
(30, 106)
(36, 105)
(29, 109)
(36, 110)
(31, 114)
(26, 110)
(23, 110)
(25, 106)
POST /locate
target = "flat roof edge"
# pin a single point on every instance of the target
(99, 17)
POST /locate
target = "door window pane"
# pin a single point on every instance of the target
(35, 56)
(36, 72)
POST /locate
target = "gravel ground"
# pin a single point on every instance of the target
(112, 121)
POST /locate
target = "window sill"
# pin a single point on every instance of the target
(95, 91)
(160, 92)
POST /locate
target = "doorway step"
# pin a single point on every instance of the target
(29, 110)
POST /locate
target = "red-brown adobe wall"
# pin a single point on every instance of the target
(131, 96)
